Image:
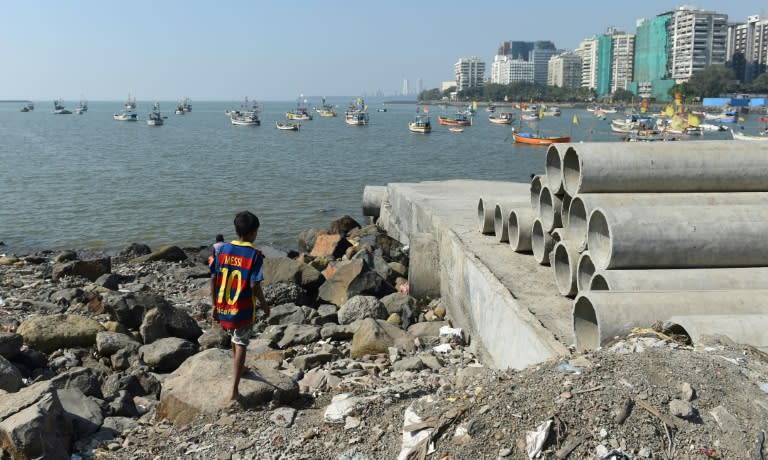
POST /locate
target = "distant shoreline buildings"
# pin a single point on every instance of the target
(665, 50)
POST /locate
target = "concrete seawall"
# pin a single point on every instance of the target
(507, 302)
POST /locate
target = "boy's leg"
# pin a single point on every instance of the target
(237, 368)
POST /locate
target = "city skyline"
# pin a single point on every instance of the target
(168, 50)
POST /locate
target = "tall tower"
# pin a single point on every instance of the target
(405, 87)
(698, 40)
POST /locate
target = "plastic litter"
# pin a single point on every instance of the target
(450, 331)
(534, 440)
(442, 348)
(342, 405)
(763, 386)
(411, 439)
(567, 368)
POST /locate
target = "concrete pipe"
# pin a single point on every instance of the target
(566, 198)
(554, 165)
(519, 227)
(550, 209)
(678, 237)
(691, 166)
(684, 279)
(485, 210)
(558, 234)
(373, 198)
(585, 270)
(599, 316)
(743, 329)
(564, 264)
(541, 243)
(501, 217)
(582, 205)
(536, 183)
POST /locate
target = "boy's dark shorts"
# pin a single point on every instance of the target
(241, 336)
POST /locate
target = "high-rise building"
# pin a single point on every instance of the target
(651, 60)
(506, 70)
(564, 70)
(587, 51)
(405, 87)
(622, 61)
(515, 49)
(470, 73)
(747, 48)
(698, 40)
(540, 54)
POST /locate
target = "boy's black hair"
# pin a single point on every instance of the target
(245, 223)
(219, 238)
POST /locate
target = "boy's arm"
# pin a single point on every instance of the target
(260, 295)
(214, 319)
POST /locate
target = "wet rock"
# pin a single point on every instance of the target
(167, 354)
(33, 424)
(65, 256)
(187, 392)
(107, 343)
(10, 344)
(374, 337)
(84, 413)
(167, 253)
(332, 246)
(135, 250)
(49, 333)
(361, 307)
(10, 377)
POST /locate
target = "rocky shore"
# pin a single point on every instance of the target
(114, 357)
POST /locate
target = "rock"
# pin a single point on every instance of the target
(402, 304)
(332, 246)
(107, 343)
(128, 309)
(10, 344)
(361, 307)
(109, 281)
(114, 383)
(306, 362)
(412, 363)
(376, 262)
(167, 321)
(83, 379)
(727, 422)
(49, 333)
(166, 355)
(344, 224)
(67, 296)
(427, 329)
(687, 392)
(91, 269)
(468, 375)
(166, 253)
(282, 293)
(201, 385)
(353, 279)
(431, 361)
(391, 249)
(395, 319)
(339, 331)
(306, 239)
(124, 358)
(10, 377)
(135, 250)
(286, 314)
(215, 337)
(680, 408)
(374, 337)
(33, 424)
(285, 270)
(439, 312)
(400, 270)
(299, 334)
(65, 256)
(8, 260)
(283, 416)
(84, 412)
(123, 405)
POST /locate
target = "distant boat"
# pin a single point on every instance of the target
(458, 119)
(357, 113)
(746, 137)
(130, 104)
(300, 113)
(421, 123)
(128, 113)
(58, 108)
(186, 105)
(28, 108)
(456, 129)
(82, 107)
(504, 118)
(179, 109)
(288, 126)
(247, 116)
(326, 110)
(535, 139)
(381, 109)
(155, 119)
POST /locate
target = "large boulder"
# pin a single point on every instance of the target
(299, 334)
(83, 411)
(344, 224)
(135, 250)
(376, 262)
(33, 424)
(107, 342)
(91, 269)
(306, 239)
(166, 254)
(49, 333)
(376, 336)
(361, 307)
(128, 309)
(286, 270)
(353, 279)
(332, 246)
(167, 321)
(201, 386)
(280, 293)
(402, 304)
(166, 355)
(286, 314)
(10, 377)
(10, 344)
(83, 379)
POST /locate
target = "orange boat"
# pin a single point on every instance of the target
(535, 139)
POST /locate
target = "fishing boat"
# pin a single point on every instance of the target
(287, 126)
(126, 115)
(456, 129)
(58, 108)
(130, 104)
(186, 105)
(246, 116)
(82, 107)
(490, 108)
(381, 109)
(458, 119)
(179, 109)
(504, 118)
(357, 113)
(421, 123)
(550, 111)
(155, 118)
(300, 113)
(326, 110)
(28, 108)
(726, 116)
(535, 139)
(746, 137)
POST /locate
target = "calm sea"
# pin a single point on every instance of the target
(90, 182)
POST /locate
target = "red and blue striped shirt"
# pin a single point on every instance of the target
(237, 267)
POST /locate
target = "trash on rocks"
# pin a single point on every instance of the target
(342, 405)
(442, 348)
(450, 332)
(567, 368)
(413, 439)
(534, 440)
(420, 433)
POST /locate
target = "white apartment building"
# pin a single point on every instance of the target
(564, 70)
(470, 73)
(506, 70)
(750, 42)
(622, 64)
(587, 51)
(698, 39)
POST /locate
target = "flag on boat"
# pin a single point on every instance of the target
(575, 120)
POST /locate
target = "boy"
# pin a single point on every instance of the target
(236, 275)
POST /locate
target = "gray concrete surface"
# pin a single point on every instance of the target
(550, 209)
(684, 279)
(749, 329)
(501, 216)
(564, 264)
(584, 271)
(553, 164)
(506, 301)
(542, 242)
(519, 226)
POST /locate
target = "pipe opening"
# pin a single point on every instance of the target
(584, 272)
(571, 171)
(535, 192)
(577, 222)
(539, 243)
(563, 266)
(599, 239)
(513, 231)
(566, 206)
(553, 166)
(548, 204)
(483, 220)
(586, 330)
(599, 283)
(499, 224)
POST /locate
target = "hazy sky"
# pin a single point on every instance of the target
(275, 50)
